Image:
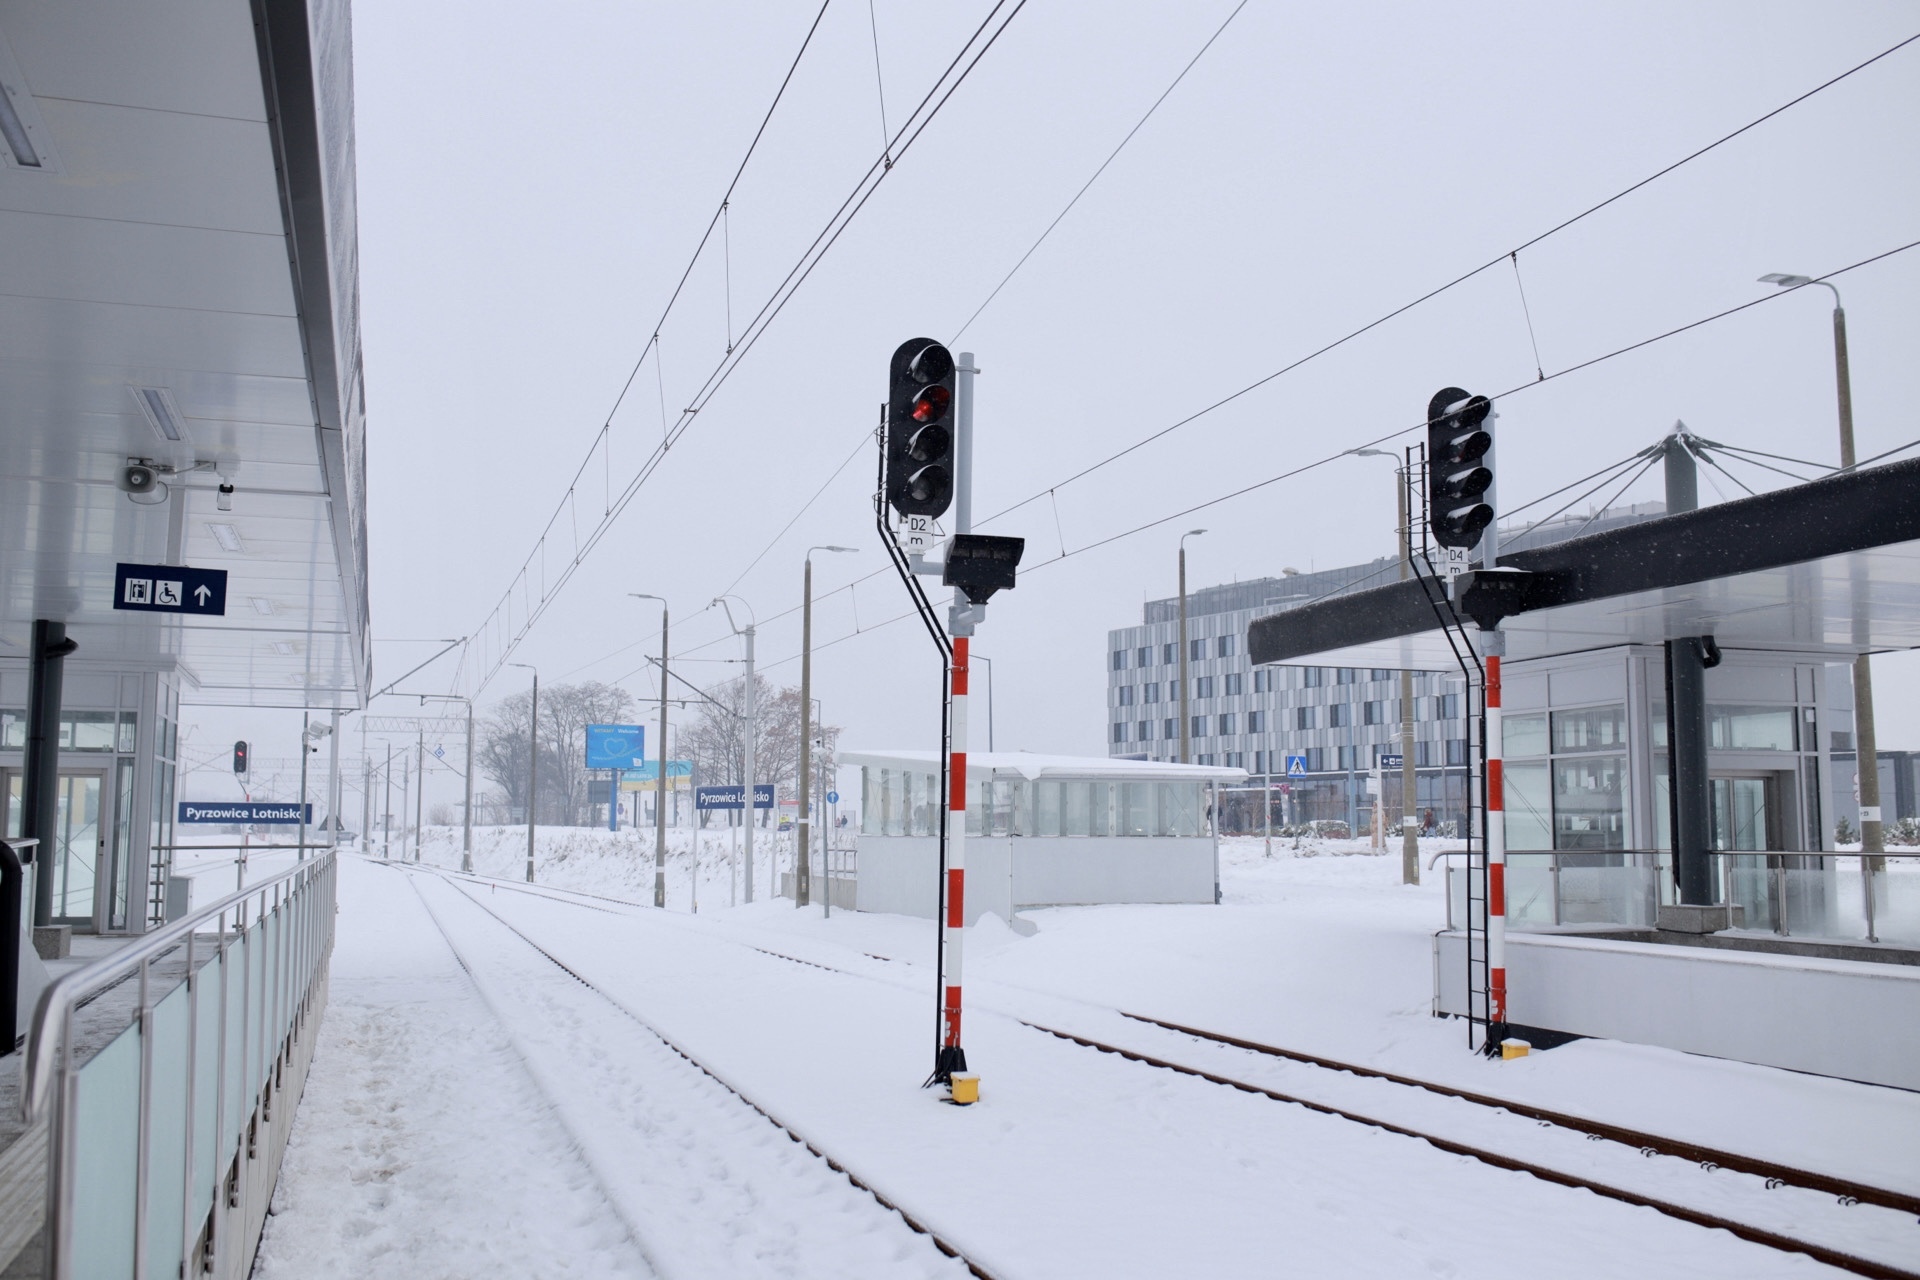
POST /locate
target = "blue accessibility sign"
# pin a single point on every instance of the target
(1296, 766)
(249, 812)
(616, 746)
(728, 797)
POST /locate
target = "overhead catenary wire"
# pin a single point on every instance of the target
(531, 583)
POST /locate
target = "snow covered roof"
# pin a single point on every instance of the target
(1032, 765)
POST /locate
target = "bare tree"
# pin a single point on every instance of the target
(565, 714)
(716, 739)
(500, 749)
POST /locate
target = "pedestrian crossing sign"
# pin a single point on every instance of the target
(1296, 766)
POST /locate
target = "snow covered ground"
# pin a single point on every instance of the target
(573, 1145)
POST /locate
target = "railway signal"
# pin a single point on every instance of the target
(240, 753)
(1459, 468)
(920, 429)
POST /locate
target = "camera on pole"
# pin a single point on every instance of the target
(1458, 440)
(920, 406)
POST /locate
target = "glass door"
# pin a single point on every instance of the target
(80, 839)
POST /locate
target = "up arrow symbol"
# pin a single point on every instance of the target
(200, 594)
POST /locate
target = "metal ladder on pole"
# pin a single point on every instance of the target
(1454, 628)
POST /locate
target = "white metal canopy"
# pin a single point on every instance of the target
(185, 228)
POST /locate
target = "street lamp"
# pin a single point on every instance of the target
(466, 838)
(1409, 785)
(802, 849)
(750, 697)
(533, 760)
(1866, 755)
(1185, 722)
(660, 789)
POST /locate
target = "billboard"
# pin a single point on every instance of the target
(615, 746)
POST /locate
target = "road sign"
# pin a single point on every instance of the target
(1392, 762)
(439, 753)
(170, 588)
(728, 797)
(255, 812)
(833, 797)
(1296, 766)
(615, 746)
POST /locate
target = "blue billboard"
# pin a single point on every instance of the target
(615, 746)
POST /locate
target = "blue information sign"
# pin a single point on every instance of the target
(728, 797)
(1392, 762)
(615, 746)
(254, 812)
(1296, 766)
(833, 797)
(170, 588)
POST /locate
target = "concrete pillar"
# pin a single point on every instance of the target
(1689, 787)
(40, 781)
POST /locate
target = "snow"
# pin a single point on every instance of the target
(1073, 1163)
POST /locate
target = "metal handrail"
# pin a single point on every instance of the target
(63, 995)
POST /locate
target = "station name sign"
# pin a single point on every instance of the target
(729, 797)
(255, 812)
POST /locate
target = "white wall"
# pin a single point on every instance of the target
(900, 873)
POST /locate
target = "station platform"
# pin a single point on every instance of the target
(1846, 1010)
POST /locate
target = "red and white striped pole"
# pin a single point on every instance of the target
(952, 1057)
(1496, 865)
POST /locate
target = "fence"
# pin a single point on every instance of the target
(1809, 895)
(164, 1141)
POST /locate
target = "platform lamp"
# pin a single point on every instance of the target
(1409, 780)
(1186, 723)
(803, 834)
(660, 787)
(1866, 756)
(533, 760)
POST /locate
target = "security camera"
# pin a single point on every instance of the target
(223, 497)
(139, 478)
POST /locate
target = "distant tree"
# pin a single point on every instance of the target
(715, 739)
(500, 750)
(565, 714)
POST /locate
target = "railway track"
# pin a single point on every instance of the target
(1770, 1175)
(839, 1167)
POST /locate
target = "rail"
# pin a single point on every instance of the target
(176, 1106)
(1786, 892)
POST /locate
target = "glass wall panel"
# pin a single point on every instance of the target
(1002, 790)
(1076, 808)
(1137, 817)
(979, 807)
(1100, 808)
(1529, 800)
(870, 817)
(1022, 807)
(1752, 728)
(166, 1165)
(1523, 735)
(1180, 808)
(1046, 809)
(1590, 729)
(105, 1157)
(206, 1080)
(921, 820)
(1589, 810)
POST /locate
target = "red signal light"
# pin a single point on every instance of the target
(931, 404)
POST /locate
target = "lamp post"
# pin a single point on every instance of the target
(660, 789)
(1186, 723)
(1409, 780)
(749, 700)
(1866, 756)
(466, 835)
(802, 846)
(533, 762)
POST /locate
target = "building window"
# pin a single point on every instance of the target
(1119, 659)
(1236, 759)
(1256, 722)
(1447, 707)
(1206, 759)
(1166, 653)
(1339, 715)
(1120, 732)
(1303, 717)
(1375, 712)
(1196, 649)
(1422, 754)
(1203, 686)
(1171, 729)
(1380, 673)
(1316, 759)
(1347, 675)
(1233, 683)
(1143, 730)
(1456, 750)
(1126, 695)
(1198, 728)
(1223, 647)
(1313, 677)
(1345, 760)
(1151, 692)
(1601, 729)
(1262, 681)
(1226, 725)
(1144, 657)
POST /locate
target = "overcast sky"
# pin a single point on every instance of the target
(533, 179)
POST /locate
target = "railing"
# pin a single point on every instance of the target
(1826, 896)
(169, 1111)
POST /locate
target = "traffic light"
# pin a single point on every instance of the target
(240, 758)
(1457, 442)
(920, 429)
